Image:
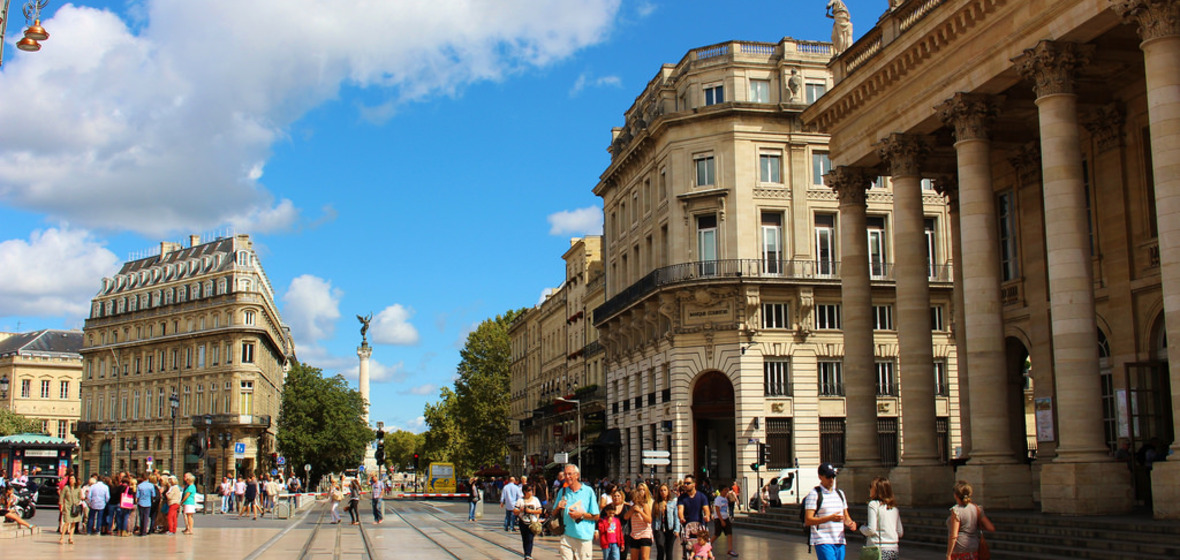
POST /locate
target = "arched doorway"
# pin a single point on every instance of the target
(714, 427)
(104, 457)
(1022, 423)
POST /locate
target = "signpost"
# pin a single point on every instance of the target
(656, 458)
(149, 462)
(562, 458)
(239, 450)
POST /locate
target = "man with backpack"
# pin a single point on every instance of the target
(825, 515)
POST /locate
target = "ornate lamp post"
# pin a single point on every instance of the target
(174, 402)
(225, 438)
(578, 403)
(34, 33)
(3, 380)
(132, 445)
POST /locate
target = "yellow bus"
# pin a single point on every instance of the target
(441, 478)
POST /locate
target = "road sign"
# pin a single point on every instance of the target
(360, 468)
(149, 460)
(274, 472)
(561, 457)
(307, 467)
(655, 454)
(653, 462)
(282, 460)
(239, 450)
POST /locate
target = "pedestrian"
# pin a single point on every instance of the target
(528, 511)
(240, 495)
(354, 500)
(70, 504)
(378, 489)
(8, 511)
(144, 494)
(965, 525)
(826, 512)
(85, 506)
(509, 494)
(250, 499)
(226, 491)
(610, 534)
(579, 509)
(98, 497)
(883, 526)
(154, 516)
(693, 509)
(472, 499)
(336, 496)
(174, 497)
(189, 501)
(640, 516)
(702, 549)
(722, 522)
(665, 523)
(126, 493)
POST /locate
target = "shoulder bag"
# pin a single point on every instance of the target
(556, 523)
(127, 500)
(985, 552)
(873, 552)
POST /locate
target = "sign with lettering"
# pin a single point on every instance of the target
(719, 312)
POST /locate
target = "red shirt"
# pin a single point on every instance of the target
(610, 531)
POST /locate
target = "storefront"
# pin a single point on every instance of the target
(34, 451)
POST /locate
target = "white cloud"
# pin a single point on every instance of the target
(545, 295)
(311, 307)
(583, 221)
(422, 390)
(585, 80)
(167, 125)
(392, 326)
(645, 9)
(54, 273)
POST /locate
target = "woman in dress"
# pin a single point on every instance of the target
(528, 511)
(70, 504)
(883, 529)
(964, 524)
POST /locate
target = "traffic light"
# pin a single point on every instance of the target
(764, 453)
(415, 461)
(274, 458)
(754, 467)
(380, 453)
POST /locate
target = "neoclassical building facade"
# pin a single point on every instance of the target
(1054, 130)
(185, 342)
(41, 372)
(729, 321)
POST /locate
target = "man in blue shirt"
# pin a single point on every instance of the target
(508, 498)
(144, 494)
(98, 497)
(579, 510)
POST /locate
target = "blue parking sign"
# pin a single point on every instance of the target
(282, 460)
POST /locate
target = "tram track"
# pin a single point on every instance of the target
(431, 510)
(329, 542)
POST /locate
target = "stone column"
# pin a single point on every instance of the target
(862, 457)
(948, 186)
(919, 478)
(993, 469)
(1158, 23)
(364, 352)
(1080, 480)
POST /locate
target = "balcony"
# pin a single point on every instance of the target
(244, 421)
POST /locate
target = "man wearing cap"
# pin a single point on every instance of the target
(828, 523)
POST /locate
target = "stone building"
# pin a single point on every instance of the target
(41, 372)
(185, 342)
(556, 355)
(1053, 129)
(728, 314)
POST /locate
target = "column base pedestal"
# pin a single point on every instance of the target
(998, 486)
(854, 481)
(1165, 490)
(922, 486)
(1086, 488)
(370, 461)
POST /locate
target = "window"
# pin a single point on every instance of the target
(160, 403)
(246, 402)
(200, 399)
(135, 406)
(1006, 213)
(831, 378)
(936, 322)
(64, 390)
(123, 408)
(774, 316)
(201, 356)
(45, 427)
(942, 385)
(887, 441)
(820, 166)
(776, 382)
(770, 168)
(149, 362)
(247, 352)
(706, 171)
(26, 388)
(760, 91)
(188, 358)
(814, 90)
(184, 401)
(927, 184)
(714, 94)
(827, 316)
(772, 242)
(707, 244)
(215, 350)
(778, 437)
(931, 250)
(825, 244)
(45, 388)
(831, 441)
(883, 317)
(886, 382)
(663, 186)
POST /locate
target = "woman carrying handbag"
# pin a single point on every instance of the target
(883, 529)
(966, 525)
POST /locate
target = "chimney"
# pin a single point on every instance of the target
(167, 247)
(194, 240)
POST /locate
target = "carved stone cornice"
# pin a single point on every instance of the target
(1153, 19)
(1051, 66)
(969, 114)
(1105, 124)
(947, 184)
(850, 183)
(904, 153)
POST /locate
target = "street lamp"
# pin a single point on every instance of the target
(225, 438)
(174, 402)
(3, 380)
(578, 403)
(132, 445)
(33, 33)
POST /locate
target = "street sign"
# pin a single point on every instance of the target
(655, 454)
(307, 467)
(274, 472)
(282, 460)
(149, 460)
(653, 462)
(561, 457)
(360, 468)
(239, 450)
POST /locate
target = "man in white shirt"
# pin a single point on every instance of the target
(723, 523)
(826, 512)
(508, 497)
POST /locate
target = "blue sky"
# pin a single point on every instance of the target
(423, 160)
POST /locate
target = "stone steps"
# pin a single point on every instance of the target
(9, 530)
(1021, 534)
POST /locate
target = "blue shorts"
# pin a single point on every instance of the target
(829, 552)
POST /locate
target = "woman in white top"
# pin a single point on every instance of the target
(883, 528)
(528, 510)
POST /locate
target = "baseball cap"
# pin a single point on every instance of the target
(827, 469)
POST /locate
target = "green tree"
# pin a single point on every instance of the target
(321, 422)
(400, 447)
(445, 440)
(13, 423)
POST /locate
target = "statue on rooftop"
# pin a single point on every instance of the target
(842, 28)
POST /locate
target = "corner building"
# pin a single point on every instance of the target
(1057, 125)
(196, 326)
(42, 370)
(729, 320)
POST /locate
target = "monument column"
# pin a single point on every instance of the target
(364, 352)
(1081, 479)
(862, 457)
(1158, 24)
(993, 465)
(920, 479)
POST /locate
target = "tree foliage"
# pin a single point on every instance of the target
(12, 423)
(321, 422)
(469, 424)
(400, 447)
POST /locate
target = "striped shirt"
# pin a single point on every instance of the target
(831, 532)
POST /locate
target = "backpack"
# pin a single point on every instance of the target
(819, 503)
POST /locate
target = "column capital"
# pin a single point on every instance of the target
(1106, 126)
(947, 184)
(1026, 160)
(1153, 19)
(904, 153)
(1051, 66)
(850, 183)
(970, 114)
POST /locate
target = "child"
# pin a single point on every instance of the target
(702, 550)
(609, 534)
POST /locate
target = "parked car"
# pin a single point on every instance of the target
(45, 488)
